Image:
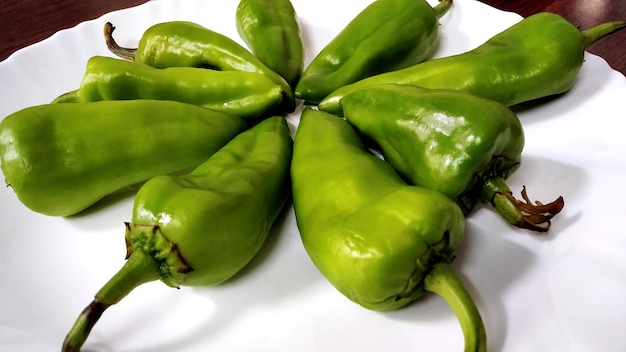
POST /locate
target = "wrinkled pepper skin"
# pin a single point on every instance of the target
(62, 158)
(385, 36)
(450, 141)
(202, 228)
(270, 29)
(239, 93)
(379, 241)
(187, 44)
(539, 56)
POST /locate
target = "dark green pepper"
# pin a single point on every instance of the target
(62, 158)
(538, 57)
(380, 242)
(386, 35)
(456, 143)
(187, 44)
(239, 93)
(271, 31)
(200, 229)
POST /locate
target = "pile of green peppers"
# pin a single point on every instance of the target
(196, 125)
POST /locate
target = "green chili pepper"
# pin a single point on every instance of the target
(379, 241)
(187, 44)
(200, 229)
(244, 94)
(62, 158)
(539, 56)
(271, 31)
(459, 144)
(386, 35)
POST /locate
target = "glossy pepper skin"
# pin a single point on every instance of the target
(270, 29)
(537, 57)
(239, 93)
(187, 44)
(386, 35)
(200, 229)
(62, 158)
(379, 241)
(456, 143)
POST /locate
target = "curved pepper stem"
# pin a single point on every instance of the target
(138, 269)
(124, 53)
(591, 35)
(442, 8)
(443, 281)
(523, 214)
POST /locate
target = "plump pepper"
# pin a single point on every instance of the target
(239, 93)
(537, 57)
(459, 144)
(379, 241)
(270, 29)
(201, 228)
(188, 44)
(62, 158)
(386, 35)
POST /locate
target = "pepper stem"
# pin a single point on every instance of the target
(442, 8)
(124, 53)
(523, 214)
(591, 35)
(140, 268)
(443, 281)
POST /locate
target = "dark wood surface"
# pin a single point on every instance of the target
(24, 22)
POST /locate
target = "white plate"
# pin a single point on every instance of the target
(564, 291)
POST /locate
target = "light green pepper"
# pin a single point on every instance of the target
(239, 93)
(379, 241)
(62, 158)
(202, 228)
(459, 144)
(271, 30)
(385, 36)
(188, 44)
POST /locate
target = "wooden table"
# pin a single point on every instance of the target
(25, 22)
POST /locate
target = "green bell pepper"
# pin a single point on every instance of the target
(62, 158)
(187, 44)
(380, 242)
(270, 29)
(538, 57)
(459, 144)
(202, 228)
(386, 35)
(239, 93)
